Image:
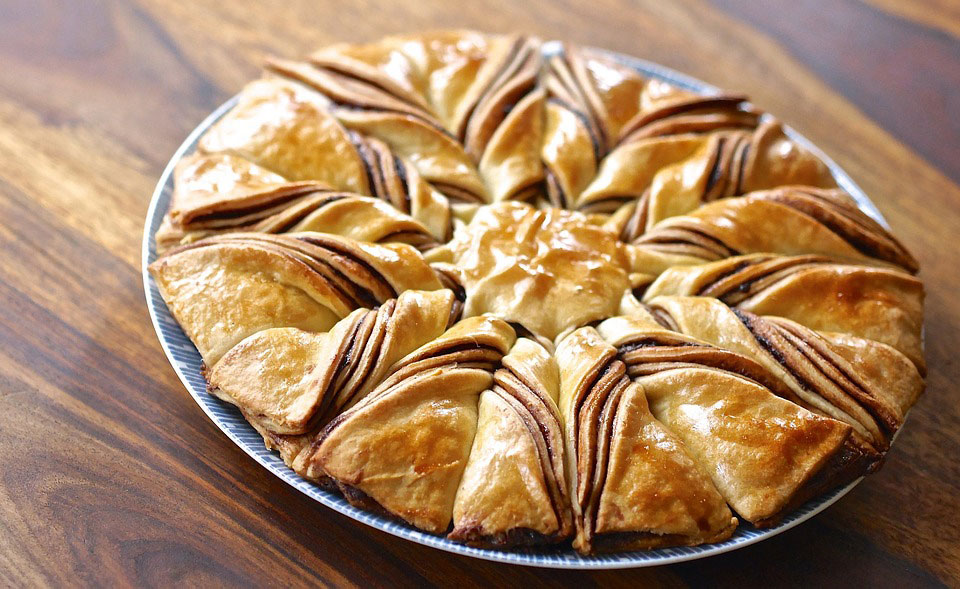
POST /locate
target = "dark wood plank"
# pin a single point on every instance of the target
(902, 74)
(112, 475)
(938, 14)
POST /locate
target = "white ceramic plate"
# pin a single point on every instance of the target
(186, 362)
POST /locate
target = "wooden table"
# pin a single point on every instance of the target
(110, 474)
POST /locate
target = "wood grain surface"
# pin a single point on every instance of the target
(111, 475)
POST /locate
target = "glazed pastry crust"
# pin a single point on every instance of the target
(819, 375)
(547, 270)
(406, 448)
(633, 485)
(679, 368)
(522, 299)
(513, 491)
(222, 294)
(881, 304)
(285, 128)
(290, 381)
(759, 449)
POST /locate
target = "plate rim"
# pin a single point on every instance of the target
(162, 321)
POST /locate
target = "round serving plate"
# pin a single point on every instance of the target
(187, 364)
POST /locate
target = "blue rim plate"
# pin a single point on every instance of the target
(186, 362)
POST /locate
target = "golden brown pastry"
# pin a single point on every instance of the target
(483, 89)
(548, 270)
(383, 66)
(292, 381)
(835, 379)
(498, 117)
(389, 114)
(403, 453)
(513, 491)
(286, 128)
(210, 190)
(474, 342)
(791, 220)
(672, 174)
(625, 175)
(728, 163)
(455, 68)
(668, 110)
(403, 449)
(590, 98)
(394, 180)
(228, 192)
(225, 288)
(633, 484)
(355, 217)
(511, 163)
(881, 304)
(334, 74)
(671, 125)
(377, 249)
(646, 347)
(762, 451)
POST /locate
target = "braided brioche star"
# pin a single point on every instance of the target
(521, 299)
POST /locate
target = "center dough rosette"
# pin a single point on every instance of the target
(523, 297)
(548, 270)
